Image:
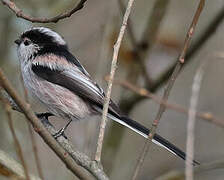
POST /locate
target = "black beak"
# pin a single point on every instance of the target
(18, 41)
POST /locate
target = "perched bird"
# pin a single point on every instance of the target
(55, 77)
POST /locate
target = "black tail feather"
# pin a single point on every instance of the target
(138, 127)
(173, 148)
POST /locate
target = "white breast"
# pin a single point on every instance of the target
(58, 100)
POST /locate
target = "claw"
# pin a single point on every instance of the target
(61, 132)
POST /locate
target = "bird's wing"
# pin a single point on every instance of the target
(77, 82)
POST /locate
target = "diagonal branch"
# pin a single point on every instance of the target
(20, 14)
(81, 159)
(140, 54)
(197, 46)
(199, 43)
(64, 150)
(170, 84)
(207, 116)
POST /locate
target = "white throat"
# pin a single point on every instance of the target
(26, 53)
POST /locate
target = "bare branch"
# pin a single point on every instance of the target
(204, 37)
(59, 149)
(11, 168)
(197, 46)
(169, 87)
(81, 159)
(16, 141)
(19, 13)
(140, 54)
(112, 73)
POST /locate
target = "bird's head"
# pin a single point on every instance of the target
(38, 41)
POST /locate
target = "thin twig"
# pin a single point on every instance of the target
(197, 46)
(33, 140)
(42, 131)
(16, 141)
(209, 117)
(20, 14)
(194, 49)
(140, 53)
(12, 169)
(168, 88)
(130, 31)
(191, 123)
(112, 73)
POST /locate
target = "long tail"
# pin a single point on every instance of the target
(138, 128)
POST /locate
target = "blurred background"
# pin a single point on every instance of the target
(149, 49)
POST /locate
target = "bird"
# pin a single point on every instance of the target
(53, 75)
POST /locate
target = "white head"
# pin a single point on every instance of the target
(37, 40)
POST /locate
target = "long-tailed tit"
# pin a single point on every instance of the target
(53, 75)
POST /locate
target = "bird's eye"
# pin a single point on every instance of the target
(27, 42)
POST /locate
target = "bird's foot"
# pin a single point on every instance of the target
(59, 133)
